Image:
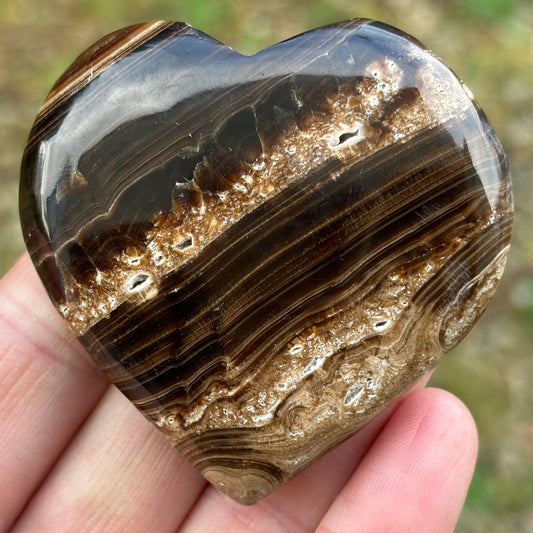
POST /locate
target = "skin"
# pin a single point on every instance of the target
(76, 455)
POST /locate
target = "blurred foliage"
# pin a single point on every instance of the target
(489, 43)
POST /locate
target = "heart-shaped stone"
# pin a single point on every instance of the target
(263, 252)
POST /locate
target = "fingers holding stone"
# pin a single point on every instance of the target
(299, 505)
(48, 386)
(416, 475)
(119, 474)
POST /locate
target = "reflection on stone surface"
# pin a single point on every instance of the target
(263, 252)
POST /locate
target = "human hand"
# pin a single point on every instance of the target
(75, 455)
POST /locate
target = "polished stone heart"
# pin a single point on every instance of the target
(263, 252)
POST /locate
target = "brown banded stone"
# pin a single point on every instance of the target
(263, 252)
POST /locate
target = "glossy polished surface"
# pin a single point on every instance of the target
(263, 252)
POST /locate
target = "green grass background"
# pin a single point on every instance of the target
(489, 43)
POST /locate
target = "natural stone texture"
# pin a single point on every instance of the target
(263, 252)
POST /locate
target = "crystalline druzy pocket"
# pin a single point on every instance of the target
(263, 252)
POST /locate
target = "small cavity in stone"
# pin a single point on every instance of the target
(381, 325)
(353, 394)
(187, 243)
(346, 136)
(139, 282)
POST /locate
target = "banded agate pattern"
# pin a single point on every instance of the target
(264, 251)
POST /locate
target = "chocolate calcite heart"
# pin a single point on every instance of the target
(263, 252)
